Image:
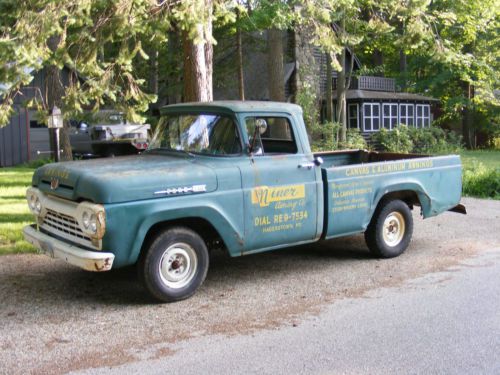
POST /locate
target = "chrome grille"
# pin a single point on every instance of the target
(65, 226)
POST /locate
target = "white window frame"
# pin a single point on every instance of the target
(349, 118)
(371, 117)
(391, 116)
(424, 120)
(406, 117)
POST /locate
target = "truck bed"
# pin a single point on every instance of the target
(348, 157)
(355, 181)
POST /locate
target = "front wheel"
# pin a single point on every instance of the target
(390, 230)
(175, 264)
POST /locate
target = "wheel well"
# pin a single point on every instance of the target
(408, 196)
(198, 225)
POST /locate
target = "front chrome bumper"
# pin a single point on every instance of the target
(54, 248)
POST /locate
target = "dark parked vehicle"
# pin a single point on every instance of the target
(110, 136)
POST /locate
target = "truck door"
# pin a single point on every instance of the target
(280, 186)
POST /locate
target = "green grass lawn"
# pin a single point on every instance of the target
(489, 158)
(481, 174)
(481, 179)
(14, 212)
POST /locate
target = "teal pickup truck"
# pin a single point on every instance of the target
(234, 175)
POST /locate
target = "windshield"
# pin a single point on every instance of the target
(212, 134)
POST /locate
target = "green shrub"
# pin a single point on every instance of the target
(495, 143)
(37, 163)
(480, 181)
(433, 140)
(354, 140)
(396, 140)
(324, 136)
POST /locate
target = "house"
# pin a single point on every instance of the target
(372, 102)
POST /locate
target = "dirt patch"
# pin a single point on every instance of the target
(56, 318)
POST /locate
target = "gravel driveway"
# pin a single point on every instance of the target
(56, 318)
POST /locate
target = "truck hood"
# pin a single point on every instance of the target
(125, 179)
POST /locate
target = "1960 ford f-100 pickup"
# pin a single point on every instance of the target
(237, 175)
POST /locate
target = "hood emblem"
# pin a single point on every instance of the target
(183, 190)
(54, 183)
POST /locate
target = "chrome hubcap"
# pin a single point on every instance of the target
(178, 265)
(394, 229)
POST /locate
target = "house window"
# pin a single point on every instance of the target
(423, 115)
(371, 116)
(353, 116)
(406, 114)
(390, 115)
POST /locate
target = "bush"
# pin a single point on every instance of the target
(38, 163)
(396, 140)
(480, 181)
(431, 140)
(324, 136)
(495, 143)
(354, 140)
(434, 140)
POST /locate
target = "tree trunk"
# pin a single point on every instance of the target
(239, 63)
(174, 77)
(198, 62)
(276, 72)
(54, 92)
(403, 68)
(378, 59)
(153, 72)
(341, 98)
(468, 117)
(329, 89)
(276, 78)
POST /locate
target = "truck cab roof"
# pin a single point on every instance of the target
(234, 106)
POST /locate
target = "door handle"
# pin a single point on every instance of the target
(306, 165)
(315, 163)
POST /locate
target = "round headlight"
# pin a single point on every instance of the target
(31, 202)
(93, 223)
(38, 206)
(86, 220)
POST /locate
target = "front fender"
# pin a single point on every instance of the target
(233, 238)
(127, 224)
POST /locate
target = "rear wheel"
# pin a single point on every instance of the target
(390, 229)
(175, 264)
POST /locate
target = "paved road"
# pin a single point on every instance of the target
(55, 318)
(442, 323)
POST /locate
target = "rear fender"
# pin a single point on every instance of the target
(423, 197)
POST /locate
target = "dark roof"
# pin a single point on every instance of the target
(384, 95)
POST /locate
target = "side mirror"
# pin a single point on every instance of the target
(260, 125)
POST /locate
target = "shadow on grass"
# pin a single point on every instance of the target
(11, 198)
(19, 184)
(16, 218)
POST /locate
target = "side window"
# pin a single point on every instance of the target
(224, 138)
(270, 135)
